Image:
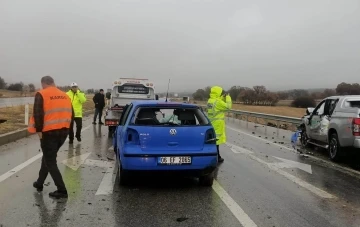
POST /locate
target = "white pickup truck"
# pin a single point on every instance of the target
(333, 124)
(123, 92)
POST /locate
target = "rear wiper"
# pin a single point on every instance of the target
(145, 118)
(168, 123)
(211, 140)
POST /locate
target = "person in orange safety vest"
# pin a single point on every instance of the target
(51, 120)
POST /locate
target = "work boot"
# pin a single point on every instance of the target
(38, 186)
(101, 123)
(94, 123)
(71, 141)
(59, 194)
(220, 159)
(78, 138)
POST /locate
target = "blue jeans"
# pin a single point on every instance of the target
(98, 111)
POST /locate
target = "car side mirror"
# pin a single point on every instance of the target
(156, 97)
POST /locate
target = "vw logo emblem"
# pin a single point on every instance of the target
(172, 131)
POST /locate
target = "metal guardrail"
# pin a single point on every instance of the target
(277, 118)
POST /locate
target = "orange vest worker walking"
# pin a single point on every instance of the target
(51, 121)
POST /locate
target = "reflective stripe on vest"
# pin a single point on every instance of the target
(57, 110)
(69, 110)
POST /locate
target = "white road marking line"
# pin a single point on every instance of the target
(292, 164)
(348, 170)
(19, 167)
(240, 150)
(107, 184)
(75, 162)
(239, 213)
(26, 163)
(97, 163)
(265, 140)
(294, 179)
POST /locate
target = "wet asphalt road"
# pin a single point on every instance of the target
(257, 185)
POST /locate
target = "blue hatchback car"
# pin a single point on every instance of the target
(165, 137)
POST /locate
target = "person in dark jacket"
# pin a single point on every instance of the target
(99, 100)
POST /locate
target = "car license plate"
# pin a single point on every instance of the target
(174, 160)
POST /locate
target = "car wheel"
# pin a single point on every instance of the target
(334, 147)
(304, 139)
(123, 176)
(207, 180)
(111, 132)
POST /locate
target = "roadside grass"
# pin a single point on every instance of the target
(13, 94)
(15, 116)
(273, 110)
(276, 110)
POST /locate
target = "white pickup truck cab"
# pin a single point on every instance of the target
(333, 124)
(124, 91)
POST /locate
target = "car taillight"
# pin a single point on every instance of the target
(132, 137)
(111, 122)
(210, 136)
(356, 126)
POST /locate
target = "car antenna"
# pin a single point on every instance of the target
(167, 93)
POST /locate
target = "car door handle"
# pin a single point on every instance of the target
(173, 143)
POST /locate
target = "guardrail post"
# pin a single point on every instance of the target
(26, 114)
(265, 128)
(277, 127)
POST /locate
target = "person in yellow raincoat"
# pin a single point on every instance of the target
(217, 105)
(78, 98)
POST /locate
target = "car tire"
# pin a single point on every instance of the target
(207, 180)
(335, 150)
(123, 176)
(111, 132)
(304, 139)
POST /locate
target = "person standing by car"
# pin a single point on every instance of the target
(99, 100)
(77, 98)
(51, 121)
(108, 97)
(217, 104)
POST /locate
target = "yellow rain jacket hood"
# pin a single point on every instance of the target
(77, 101)
(217, 105)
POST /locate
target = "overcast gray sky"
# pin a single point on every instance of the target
(281, 44)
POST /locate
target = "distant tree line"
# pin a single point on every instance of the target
(19, 86)
(259, 95)
(23, 88)
(87, 91)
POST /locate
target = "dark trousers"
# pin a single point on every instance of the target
(218, 150)
(78, 121)
(98, 111)
(50, 146)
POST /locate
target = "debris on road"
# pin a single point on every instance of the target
(181, 219)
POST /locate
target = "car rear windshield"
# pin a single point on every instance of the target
(169, 116)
